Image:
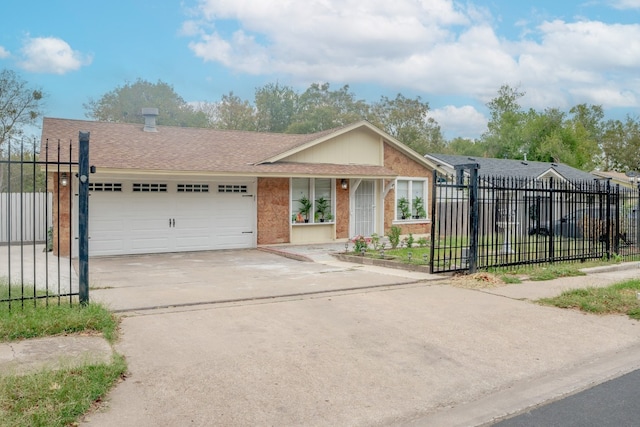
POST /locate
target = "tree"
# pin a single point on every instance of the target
(124, 105)
(275, 107)
(233, 113)
(503, 138)
(621, 144)
(587, 123)
(406, 120)
(20, 105)
(465, 147)
(319, 109)
(24, 175)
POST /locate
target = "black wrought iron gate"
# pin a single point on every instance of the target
(36, 188)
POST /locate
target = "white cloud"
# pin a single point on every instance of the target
(626, 4)
(436, 47)
(51, 55)
(578, 62)
(4, 53)
(322, 35)
(465, 121)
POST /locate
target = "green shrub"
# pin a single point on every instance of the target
(394, 236)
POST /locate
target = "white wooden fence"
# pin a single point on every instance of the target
(25, 217)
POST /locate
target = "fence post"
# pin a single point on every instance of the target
(83, 217)
(607, 244)
(473, 202)
(617, 213)
(636, 217)
(434, 188)
(551, 221)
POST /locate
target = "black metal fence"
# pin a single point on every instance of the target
(529, 221)
(31, 201)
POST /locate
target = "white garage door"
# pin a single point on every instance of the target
(134, 217)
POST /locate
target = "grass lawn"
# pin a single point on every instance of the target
(620, 298)
(55, 397)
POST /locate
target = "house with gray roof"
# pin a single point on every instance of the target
(509, 168)
(517, 195)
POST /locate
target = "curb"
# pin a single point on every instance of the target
(608, 268)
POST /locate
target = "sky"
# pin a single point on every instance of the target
(453, 55)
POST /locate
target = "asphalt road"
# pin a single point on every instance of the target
(613, 403)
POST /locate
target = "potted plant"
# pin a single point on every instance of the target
(305, 207)
(322, 208)
(403, 205)
(418, 207)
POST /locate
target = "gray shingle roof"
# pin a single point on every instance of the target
(512, 168)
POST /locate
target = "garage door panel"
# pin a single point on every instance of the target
(193, 243)
(150, 244)
(151, 222)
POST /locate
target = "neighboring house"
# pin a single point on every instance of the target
(516, 195)
(629, 179)
(509, 168)
(170, 189)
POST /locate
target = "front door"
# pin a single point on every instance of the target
(365, 208)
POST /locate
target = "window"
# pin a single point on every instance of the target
(193, 188)
(105, 186)
(149, 188)
(230, 188)
(411, 196)
(312, 200)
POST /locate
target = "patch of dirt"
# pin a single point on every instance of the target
(477, 281)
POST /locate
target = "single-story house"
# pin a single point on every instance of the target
(627, 180)
(169, 189)
(514, 194)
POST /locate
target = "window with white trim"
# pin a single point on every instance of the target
(411, 199)
(312, 200)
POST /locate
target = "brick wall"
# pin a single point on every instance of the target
(405, 167)
(61, 215)
(342, 211)
(273, 211)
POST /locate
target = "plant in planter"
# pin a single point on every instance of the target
(403, 205)
(322, 208)
(418, 207)
(305, 207)
(329, 217)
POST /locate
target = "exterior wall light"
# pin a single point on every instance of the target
(344, 184)
(64, 179)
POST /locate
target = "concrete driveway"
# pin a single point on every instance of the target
(366, 350)
(162, 280)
